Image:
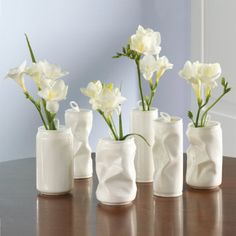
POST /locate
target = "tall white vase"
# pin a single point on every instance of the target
(54, 161)
(204, 156)
(168, 157)
(80, 121)
(142, 123)
(115, 171)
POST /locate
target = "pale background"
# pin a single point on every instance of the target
(82, 36)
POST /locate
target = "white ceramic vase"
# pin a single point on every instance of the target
(54, 161)
(116, 172)
(168, 157)
(204, 156)
(142, 123)
(80, 121)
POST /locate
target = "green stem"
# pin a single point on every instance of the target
(120, 127)
(140, 83)
(50, 118)
(38, 107)
(210, 107)
(109, 125)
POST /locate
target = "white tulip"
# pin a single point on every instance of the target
(148, 65)
(93, 89)
(163, 65)
(146, 41)
(51, 71)
(17, 74)
(53, 93)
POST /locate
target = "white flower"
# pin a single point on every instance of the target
(17, 74)
(53, 93)
(93, 89)
(146, 41)
(148, 65)
(104, 97)
(190, 71)
(51, 71)
(209, 73)
(108, 100)
(163, 65)
(201, 75)
(36, 73)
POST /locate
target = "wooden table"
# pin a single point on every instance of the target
(200, 213)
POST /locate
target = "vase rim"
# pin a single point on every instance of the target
(112, 141)
(211, 124)
(62, 128)
(85, 110)
(152, 109)
(174, 120)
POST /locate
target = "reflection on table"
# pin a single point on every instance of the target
(204, 212)
(66, 215)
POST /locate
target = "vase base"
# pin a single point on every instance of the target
(117, 203)
(144, 181)
(83, 177)
(167, 195)
(203, 188)
(54, 194)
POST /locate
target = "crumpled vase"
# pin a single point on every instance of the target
(116, 172)
(168, 157)
(204, 156)
(80, 121)
(142, 123)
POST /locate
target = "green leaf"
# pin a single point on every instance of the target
(134, 134)
(30, 49)
(190, 114)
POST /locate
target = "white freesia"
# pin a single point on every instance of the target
(209, 73)
(146, 41)
(104, 97)
(51, 71)
(108, 101)
(148, 65)
(190, 72)
(53, 94)
(93, 89)
(17, 74)
(201, 74)
(35, 72)
(163, 65)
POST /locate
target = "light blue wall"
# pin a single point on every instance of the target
(82, 36)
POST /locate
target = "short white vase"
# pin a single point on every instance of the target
(142, 123)
(116, 172)
(80, 123)
(168, 157)
(54, 161)
(204, 156)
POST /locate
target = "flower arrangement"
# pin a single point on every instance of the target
(203, 78)
(51, 89)
(144, 48)
(106, 100)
